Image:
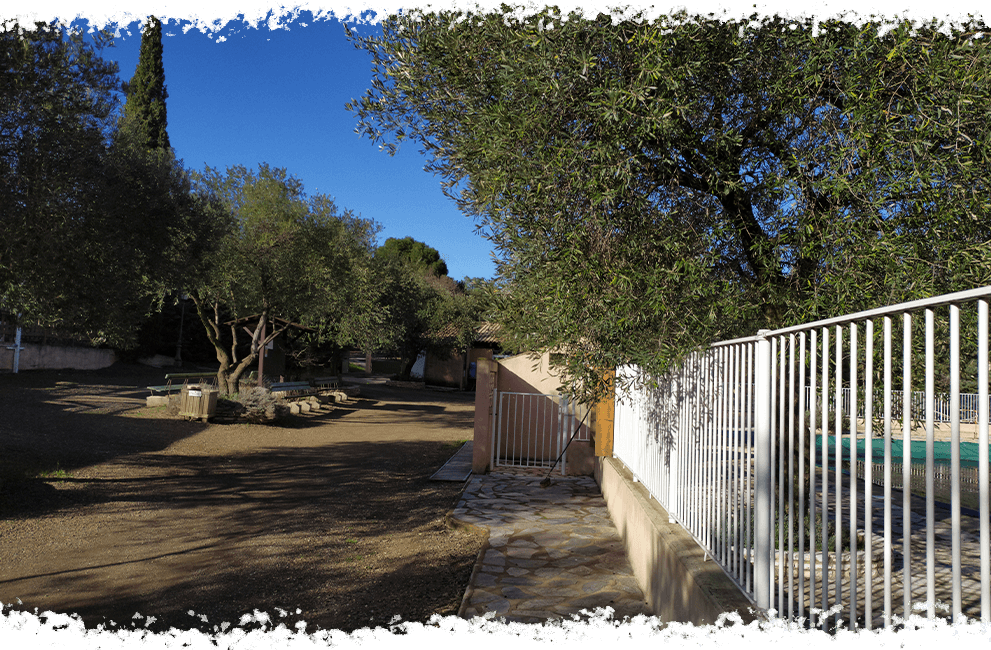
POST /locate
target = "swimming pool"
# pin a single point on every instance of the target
(942, 450)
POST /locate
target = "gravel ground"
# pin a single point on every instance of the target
(110, 509)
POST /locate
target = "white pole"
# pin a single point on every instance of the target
(982, 418)
(762, 453)
(907, 459)
(17, 349)
(954, 459)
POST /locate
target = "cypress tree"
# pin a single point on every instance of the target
(144, 113)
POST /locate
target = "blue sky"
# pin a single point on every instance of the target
(277, 96)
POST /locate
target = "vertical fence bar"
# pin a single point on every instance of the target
(721, 510)
(907, 464)
(533, 422)
(560, 436)
(801, 475)
(887, 471)
(731, 523)
(930, 452)
(825, 472)
(679, 433)
(698, 423)
(791, 474)
(868, 474)
(751, 428)
(520, 432)
(853, 476)
(511, 446)
(982, 451)
(678, 502)
(955, 452)
(762, 453)
(696, 447)
(707, 448)
(731, 520)
(838, 500)
(813, 411)
(779, 433)
(495, 445)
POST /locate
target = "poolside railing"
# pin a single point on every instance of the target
(726, 444)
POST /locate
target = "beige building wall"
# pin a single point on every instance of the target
(53, 357)
(525, 374)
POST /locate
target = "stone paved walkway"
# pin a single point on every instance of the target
(552, 552)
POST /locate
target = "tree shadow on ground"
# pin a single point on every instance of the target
(350, 532)
(240, 545)
(56, 422)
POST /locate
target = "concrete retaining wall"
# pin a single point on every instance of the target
(677, 581)
(52, 357)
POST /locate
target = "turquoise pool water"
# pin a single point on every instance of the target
(969, 451)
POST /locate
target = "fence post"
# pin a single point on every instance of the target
(763, 531)
(483, 451)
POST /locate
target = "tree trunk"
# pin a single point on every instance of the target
(227, 379)
(407, 366)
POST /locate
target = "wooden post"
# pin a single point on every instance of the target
(605, 413)
(486, 378)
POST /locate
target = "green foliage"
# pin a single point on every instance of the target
(145, 116)
(95, 230)
(409, 251)
(410, 307)
(418, 301)
(281, 254)
(653, 186)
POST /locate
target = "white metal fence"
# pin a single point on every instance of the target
(941, 404)
(533, 429)
(727, 445)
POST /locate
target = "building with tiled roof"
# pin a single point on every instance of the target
(456, 369)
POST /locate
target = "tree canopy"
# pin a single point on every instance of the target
(281, 254)
(95, 230)
(415, 253)
(145, 113)
(653, 186)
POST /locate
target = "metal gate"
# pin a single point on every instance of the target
(530, 429)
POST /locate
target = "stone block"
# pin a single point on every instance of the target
(157, 400)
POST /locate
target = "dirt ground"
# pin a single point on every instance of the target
(109, 509)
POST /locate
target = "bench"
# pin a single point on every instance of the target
(293, 388)
(302, 388)
(169, 388)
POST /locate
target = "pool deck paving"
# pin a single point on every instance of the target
(970, 553)
(552, 552)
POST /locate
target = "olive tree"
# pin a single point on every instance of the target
(280, 254)
(652, 186)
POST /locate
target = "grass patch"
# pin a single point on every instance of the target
(57, 473)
